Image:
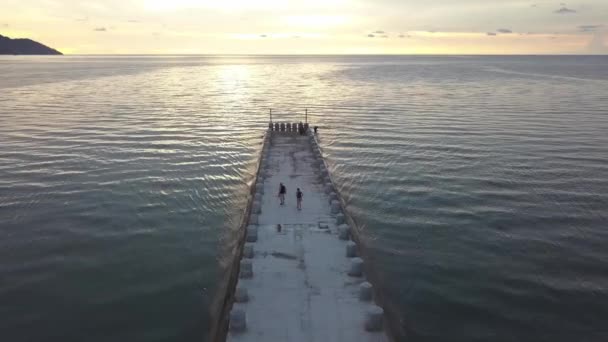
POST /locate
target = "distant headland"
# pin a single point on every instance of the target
(10, 46)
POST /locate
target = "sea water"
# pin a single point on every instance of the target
(480, 184)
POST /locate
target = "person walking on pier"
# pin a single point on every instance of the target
(299, 196)
(282, 192)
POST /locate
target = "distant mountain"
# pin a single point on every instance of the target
(24, 47)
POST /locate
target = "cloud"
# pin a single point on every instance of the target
(564, 10)
(491, 33)
(404, 36)
(384, 36)
(4, 25)
(589, 28)
(263, 36)
(379, 32)
(371, 35)
(504, 30)
(100, 29)
(133, 21)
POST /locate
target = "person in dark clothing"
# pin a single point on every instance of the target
(282, 192)
(299, 196)
(316, 129)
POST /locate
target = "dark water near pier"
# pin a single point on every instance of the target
(481, 183)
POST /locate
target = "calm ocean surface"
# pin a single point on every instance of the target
(481, 184)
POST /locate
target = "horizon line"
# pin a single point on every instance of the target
(320, 54)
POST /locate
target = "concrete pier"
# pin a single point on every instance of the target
(296, 283)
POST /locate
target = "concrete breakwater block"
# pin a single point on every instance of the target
(356, 267)
(344, 232)
(351, 249)
(333, 196)
(340, 219)
(257, 197)
(335, 207)
(248, 251)
(253, 219)
(259, 187)
(374, 317)
(365, 291)
(256, 207)
(252, 233)
(246, 270)
(241, 295)
(238, 320)
(329, 188)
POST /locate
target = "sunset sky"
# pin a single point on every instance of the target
(310, 26)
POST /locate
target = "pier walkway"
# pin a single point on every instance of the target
(294, 284)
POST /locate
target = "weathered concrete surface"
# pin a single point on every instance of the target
(300, 289)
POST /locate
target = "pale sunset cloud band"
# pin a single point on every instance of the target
(310, 27)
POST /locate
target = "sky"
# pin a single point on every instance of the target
(310, 26)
